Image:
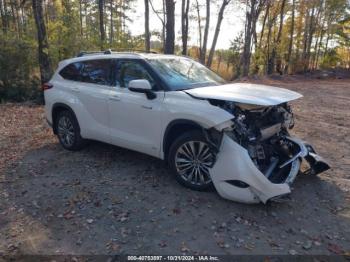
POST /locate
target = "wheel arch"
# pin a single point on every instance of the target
(176, 128)
(56, 109)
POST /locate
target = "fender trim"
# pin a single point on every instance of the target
(171, 125)
(56, 105)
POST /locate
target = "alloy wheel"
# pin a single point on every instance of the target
(193, 160)
(65, 131)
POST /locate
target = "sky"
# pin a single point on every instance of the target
(232, 24)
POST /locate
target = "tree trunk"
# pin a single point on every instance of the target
(81, 18)
(6, 16)
(313, 22)
(264, 23)
(199, 28)
(101, 20)
(272, 63)
(164, 25)
(3, 18)
(19, 19)
(247, 40)
(219, 62)
(185, 6)
(250, 26)
(307, 38)
(206, 32)
(15, 17)
(217, 31)
(23, 19)
(299, 30)
(147, 34)
(170, 27)
(43, 46)
(117, 21)
(319, 45)
(111, 37)
(290, 47)
(87, 22)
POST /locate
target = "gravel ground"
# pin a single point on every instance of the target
(109, 200)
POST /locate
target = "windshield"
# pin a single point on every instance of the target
(182, 73)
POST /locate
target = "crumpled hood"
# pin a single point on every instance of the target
(245, 93)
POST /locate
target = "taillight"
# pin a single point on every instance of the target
(46, 86)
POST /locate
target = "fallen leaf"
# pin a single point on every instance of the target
(335, 249)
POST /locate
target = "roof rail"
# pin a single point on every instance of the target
(83, 53)
(109, 51)
(134, 50)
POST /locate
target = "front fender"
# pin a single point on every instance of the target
(180, 105)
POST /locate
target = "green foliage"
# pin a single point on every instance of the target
(71, 28)
(330, 60)
(18, 81)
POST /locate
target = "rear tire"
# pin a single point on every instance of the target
(68, 131)
(190, 158)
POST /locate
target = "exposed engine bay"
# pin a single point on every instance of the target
(257, 159)
(264, 132)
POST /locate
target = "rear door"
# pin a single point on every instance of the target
(93, 90)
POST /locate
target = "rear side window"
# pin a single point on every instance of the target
(91, 71)
(97, 72)
(72, 71)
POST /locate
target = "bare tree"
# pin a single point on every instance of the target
(170, 27)
(203, 50)
(43, 46)
(185, 6)
(147, 34)
(101, 20)
(162, 20)
(313, 23)
(271, 64)
(217, 31)
(252, 14)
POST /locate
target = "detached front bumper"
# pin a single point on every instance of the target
(236, 177)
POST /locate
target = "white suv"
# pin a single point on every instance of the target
(232, 136)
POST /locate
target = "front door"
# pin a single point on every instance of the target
(135, 120)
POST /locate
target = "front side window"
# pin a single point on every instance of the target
(182, 73)
(132, 70)
(72, 71)
(96, 72)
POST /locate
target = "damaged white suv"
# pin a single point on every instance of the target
(232, 136)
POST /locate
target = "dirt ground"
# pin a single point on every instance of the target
(108, 200)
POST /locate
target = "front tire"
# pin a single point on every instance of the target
(68, 131)
(190, 158)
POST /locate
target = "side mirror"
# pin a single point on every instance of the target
(142, 86)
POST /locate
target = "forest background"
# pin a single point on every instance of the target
(275, 37)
